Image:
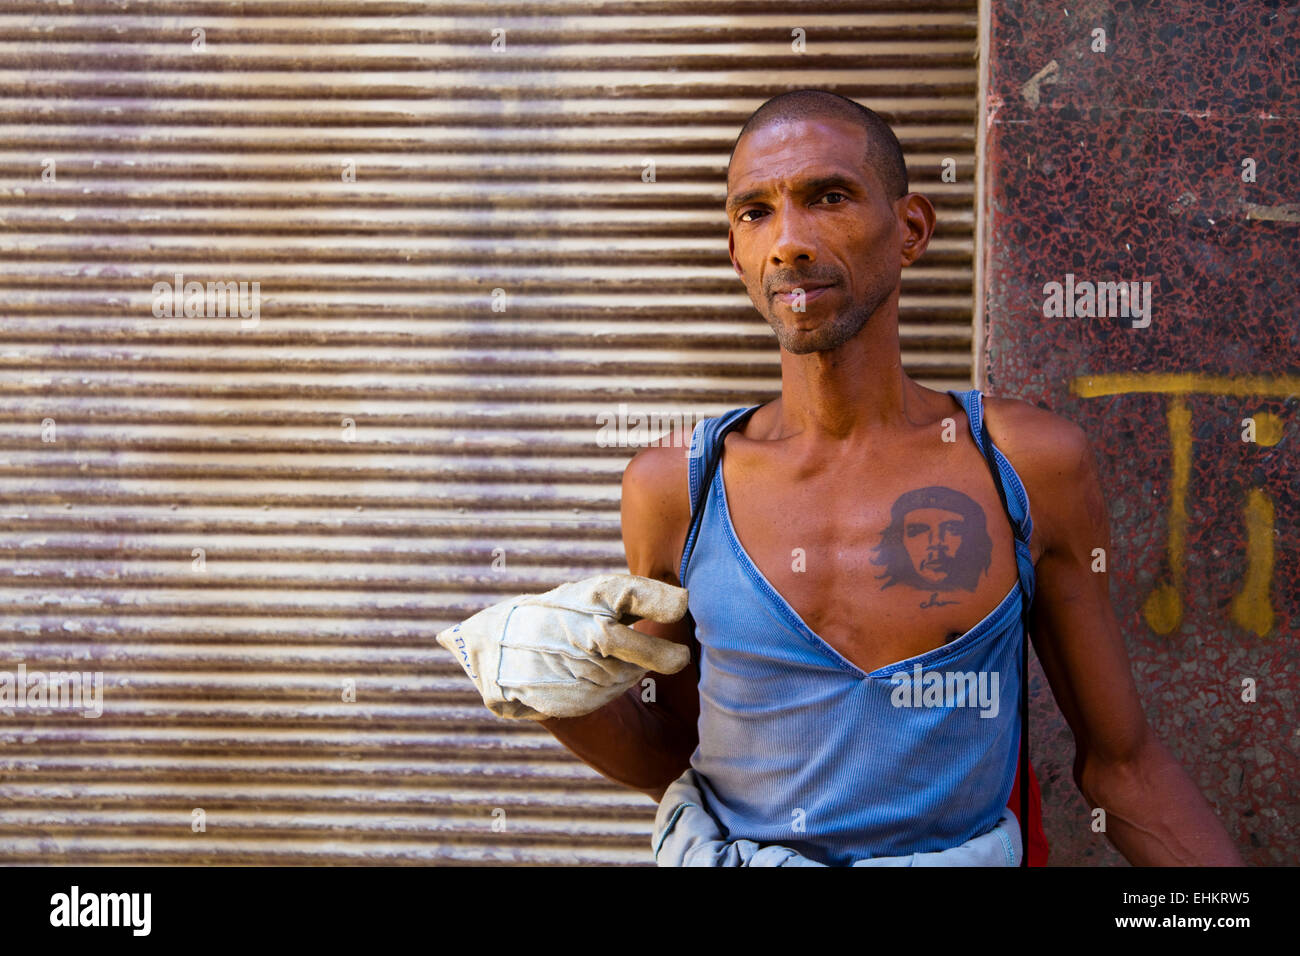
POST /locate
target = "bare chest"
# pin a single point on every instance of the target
(882, 563)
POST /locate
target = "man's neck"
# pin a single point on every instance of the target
(855, 394)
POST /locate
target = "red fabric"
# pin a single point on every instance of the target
(1038, 849)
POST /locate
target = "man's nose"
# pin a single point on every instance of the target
(794, 239)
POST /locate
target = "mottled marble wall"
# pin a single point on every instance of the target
(1120, 156)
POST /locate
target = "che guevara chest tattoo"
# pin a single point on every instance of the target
(936, 542)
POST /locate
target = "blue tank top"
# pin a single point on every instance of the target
(800, 747)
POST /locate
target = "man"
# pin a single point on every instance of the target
(854, 552)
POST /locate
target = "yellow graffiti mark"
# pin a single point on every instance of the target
(1268, 429)
(1182, 383)
(1163, 610)
(1252, 607)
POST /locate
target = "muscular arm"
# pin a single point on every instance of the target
(1155, 815)
(641, 744)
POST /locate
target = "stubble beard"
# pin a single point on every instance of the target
(846, 323)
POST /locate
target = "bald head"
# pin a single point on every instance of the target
(884, 154)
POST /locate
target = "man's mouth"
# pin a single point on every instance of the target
(811, 290)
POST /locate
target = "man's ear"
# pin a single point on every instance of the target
(731, 251)
(917, 224)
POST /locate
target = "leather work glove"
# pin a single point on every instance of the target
(568, 652)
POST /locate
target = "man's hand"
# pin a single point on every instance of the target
(569, 651)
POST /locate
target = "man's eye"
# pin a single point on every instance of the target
(747, 212)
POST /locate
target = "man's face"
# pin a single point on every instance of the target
(932, 537)
(806, 211)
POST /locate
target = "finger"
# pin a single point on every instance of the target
(516, 710)
(640, 597)
(571, 700)
(526, 665)
(644, 650)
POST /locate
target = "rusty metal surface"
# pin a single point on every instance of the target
(1123, 148)
(471, 470)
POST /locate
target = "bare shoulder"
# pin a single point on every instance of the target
(1036, 436)
(656, 508)
(1055, 462)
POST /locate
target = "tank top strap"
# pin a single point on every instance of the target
(1011, 490)
(1017, 498)
(705, 453)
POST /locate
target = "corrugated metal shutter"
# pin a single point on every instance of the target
(328, 559)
